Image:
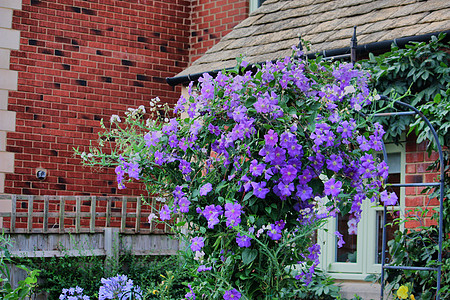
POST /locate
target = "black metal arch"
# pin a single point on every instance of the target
(413, 111)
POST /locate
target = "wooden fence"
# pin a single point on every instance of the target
(79, 214)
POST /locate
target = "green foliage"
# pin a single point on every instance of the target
(420, 72)
(65, 272)
(25, 287)
(322, 287)
(87, 271)
(419, 249)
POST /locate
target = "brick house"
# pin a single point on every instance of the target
(67, 64)
(268, 34)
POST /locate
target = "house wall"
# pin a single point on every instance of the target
(417, 162)
(212, 20)
(80, 62)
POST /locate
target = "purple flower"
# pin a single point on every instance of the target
(184, 204)
(214, 129)
(233, 210)
(118, 287)
(276, 156)
(334, 163)
(274, 232)
(164, 214)
(287, 139)
(262, 105)
(185, 167)
(191, 294)
(304, 192)
(203, 268)
(205, 189)
(345, 129)
(271, 138)
(178, 192)
(159, 158)
(286, 189)
(388, 199)
(232, 295)
(212, 213)
(333, 187)
(73, 294)
(239, 114)
(259, 189)
(363, 143)
(152, 138)
(173, 141)
(340, 242)
(243, 240)
(305, 177)
(288, 174)
(197, 243)
(255, 168)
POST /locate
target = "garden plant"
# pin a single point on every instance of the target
(419, 73)
(251, 163)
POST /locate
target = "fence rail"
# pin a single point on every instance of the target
(79, 214)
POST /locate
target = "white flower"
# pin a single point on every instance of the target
(83, 156)
(141, 109)
(160, 199)
(349, 89)
(199, 255)
(115, 118)
(151, 217)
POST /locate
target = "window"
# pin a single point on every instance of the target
(254, 4)
(361, 253)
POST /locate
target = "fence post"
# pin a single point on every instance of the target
(111, 245)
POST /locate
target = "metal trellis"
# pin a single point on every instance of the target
(440, 184)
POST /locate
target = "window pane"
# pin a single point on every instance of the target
(390, 229)
(347, 253)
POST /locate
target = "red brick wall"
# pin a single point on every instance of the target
(79, 62)
(417, 162)
(212, 20)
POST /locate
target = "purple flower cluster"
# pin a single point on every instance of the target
(259, 150)
(131, 168)
(118, 287)
(75, 293)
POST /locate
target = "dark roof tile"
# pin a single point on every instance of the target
(271, 30)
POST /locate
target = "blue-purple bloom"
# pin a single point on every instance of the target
(75, 293)
(232, 295)
(184, 204)
(388, 198)
(205, 189)
(118, 287)
(259, 189)
(243, 240)
(197, 243)
(164, 214)
(333, 187)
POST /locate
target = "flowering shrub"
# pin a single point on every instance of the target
(252, 163)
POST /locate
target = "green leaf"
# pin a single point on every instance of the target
(220, 186)
(249, 255)
(247, 196)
